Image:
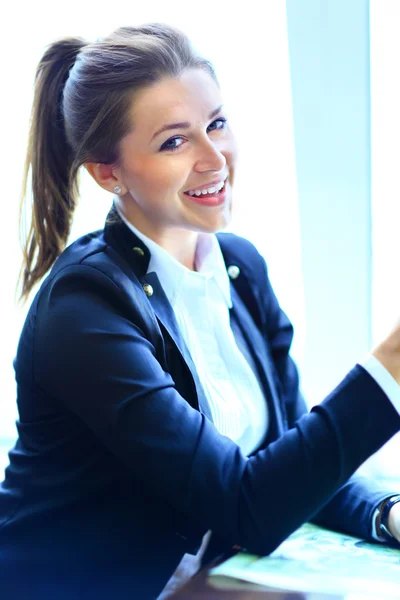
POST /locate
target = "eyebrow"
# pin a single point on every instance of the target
(184, 124)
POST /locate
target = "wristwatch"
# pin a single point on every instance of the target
(383, 525)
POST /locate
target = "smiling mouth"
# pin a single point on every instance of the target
(211, 192)
(209, 199)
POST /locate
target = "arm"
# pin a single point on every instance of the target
(99, 355)
(352, 507)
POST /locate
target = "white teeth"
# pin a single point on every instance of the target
(210, 190)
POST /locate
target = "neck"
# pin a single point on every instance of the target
(179, 243)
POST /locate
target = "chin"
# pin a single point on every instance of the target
(213, 222)
(217, 225)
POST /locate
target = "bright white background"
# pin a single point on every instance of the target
(251, 58)
(385, 178)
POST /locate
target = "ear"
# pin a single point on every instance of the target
(105, 176)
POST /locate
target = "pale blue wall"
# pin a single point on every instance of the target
(329, 56)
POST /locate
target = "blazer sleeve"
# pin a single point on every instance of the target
(352, 507)
(97, 353)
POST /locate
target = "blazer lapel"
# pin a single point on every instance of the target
(166, 316)
(137, 255)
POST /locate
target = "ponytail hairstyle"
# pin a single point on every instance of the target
(81, 111)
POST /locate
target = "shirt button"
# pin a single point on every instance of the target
(138, 250)
(233, 272)
(148, 290)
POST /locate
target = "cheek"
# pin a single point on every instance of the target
(171, 175)
(156, 176)
(145, 176)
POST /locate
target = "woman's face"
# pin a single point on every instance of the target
(180, 145)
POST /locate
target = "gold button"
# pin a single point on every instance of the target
(233, 272)
(138, 250)
(148, 290)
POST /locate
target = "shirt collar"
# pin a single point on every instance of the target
(174, 276)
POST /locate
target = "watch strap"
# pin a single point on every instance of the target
(383, 525)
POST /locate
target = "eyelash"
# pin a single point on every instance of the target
(165, 148)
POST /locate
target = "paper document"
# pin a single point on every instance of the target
(318, 560)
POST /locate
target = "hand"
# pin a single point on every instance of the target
(388, 352)
(393, 522)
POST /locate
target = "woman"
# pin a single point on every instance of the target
(159, 410)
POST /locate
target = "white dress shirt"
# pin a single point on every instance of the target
(201, 301)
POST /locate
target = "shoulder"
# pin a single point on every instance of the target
(235, 244)
(91, 258)
(89, 277)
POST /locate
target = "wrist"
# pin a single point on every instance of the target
(393, 521)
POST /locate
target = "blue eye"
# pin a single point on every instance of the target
(170, 144)
(221, 121)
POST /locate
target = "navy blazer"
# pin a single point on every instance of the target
(118, 469)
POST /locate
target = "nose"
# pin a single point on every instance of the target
(209, 157)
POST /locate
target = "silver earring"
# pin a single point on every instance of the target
(117, 189)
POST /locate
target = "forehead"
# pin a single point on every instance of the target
(190, 97)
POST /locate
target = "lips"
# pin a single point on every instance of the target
(210, 200)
